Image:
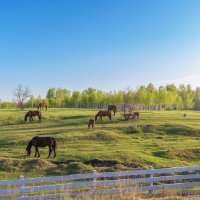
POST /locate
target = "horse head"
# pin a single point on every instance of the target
(26, 116)
(28, 148)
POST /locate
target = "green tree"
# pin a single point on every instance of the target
(197, 98)
(187, 96)
(76, 99)
(51, 93)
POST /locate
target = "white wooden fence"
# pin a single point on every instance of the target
(102, 183)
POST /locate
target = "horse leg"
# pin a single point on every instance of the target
(39, 118)
(54, 150)
(50, 150)
(29, 118)
(36, 150)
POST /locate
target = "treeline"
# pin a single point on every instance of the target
(7, 105)
(145, 97)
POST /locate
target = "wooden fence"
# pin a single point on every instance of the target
(149, 180)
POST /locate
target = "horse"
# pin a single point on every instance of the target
(103, 113)
(113, 108)
(185, 115)
(31, 114)
(136, 115)
(42, 142)
(91, 123)
(42, 105)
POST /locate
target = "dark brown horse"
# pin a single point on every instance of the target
(91, 122)
(42, 142)
(103, 113)
(136, 115)
(112, 108)
(31, 114)
(42, 105)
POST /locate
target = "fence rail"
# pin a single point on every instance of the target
(91, 184)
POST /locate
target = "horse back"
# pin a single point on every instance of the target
(44, 141)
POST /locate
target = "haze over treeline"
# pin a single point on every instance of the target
(148, 97)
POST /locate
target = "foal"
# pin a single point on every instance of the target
(91, 123)
(136, 115)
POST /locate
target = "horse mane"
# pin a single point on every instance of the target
(26, 116)
(30, 144)
(34, 138)
(97, 116)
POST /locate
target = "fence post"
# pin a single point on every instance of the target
(151, 182)
(21, 186)
(94, 183)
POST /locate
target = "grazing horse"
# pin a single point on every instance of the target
(42, 105)
(91, 123)
(42, 142)
(103, 113)
(31, 114)
(113, 108)
(136, 115)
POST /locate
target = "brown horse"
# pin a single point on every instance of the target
(91, 122)
(31, 114)
(103, 113)
(113, 108)
(136, 115)
(42, 105)
(42, 142)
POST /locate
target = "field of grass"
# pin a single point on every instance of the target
(158, 139)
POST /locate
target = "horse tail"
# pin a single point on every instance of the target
(54, 143)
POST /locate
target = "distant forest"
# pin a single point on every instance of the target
(145, 97)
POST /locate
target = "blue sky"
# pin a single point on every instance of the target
(105, 44)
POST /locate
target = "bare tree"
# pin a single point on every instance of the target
(21, 95)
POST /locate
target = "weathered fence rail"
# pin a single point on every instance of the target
(91, 184)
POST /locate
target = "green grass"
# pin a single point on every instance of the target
(159, 138)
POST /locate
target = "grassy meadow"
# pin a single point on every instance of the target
(158, 139)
